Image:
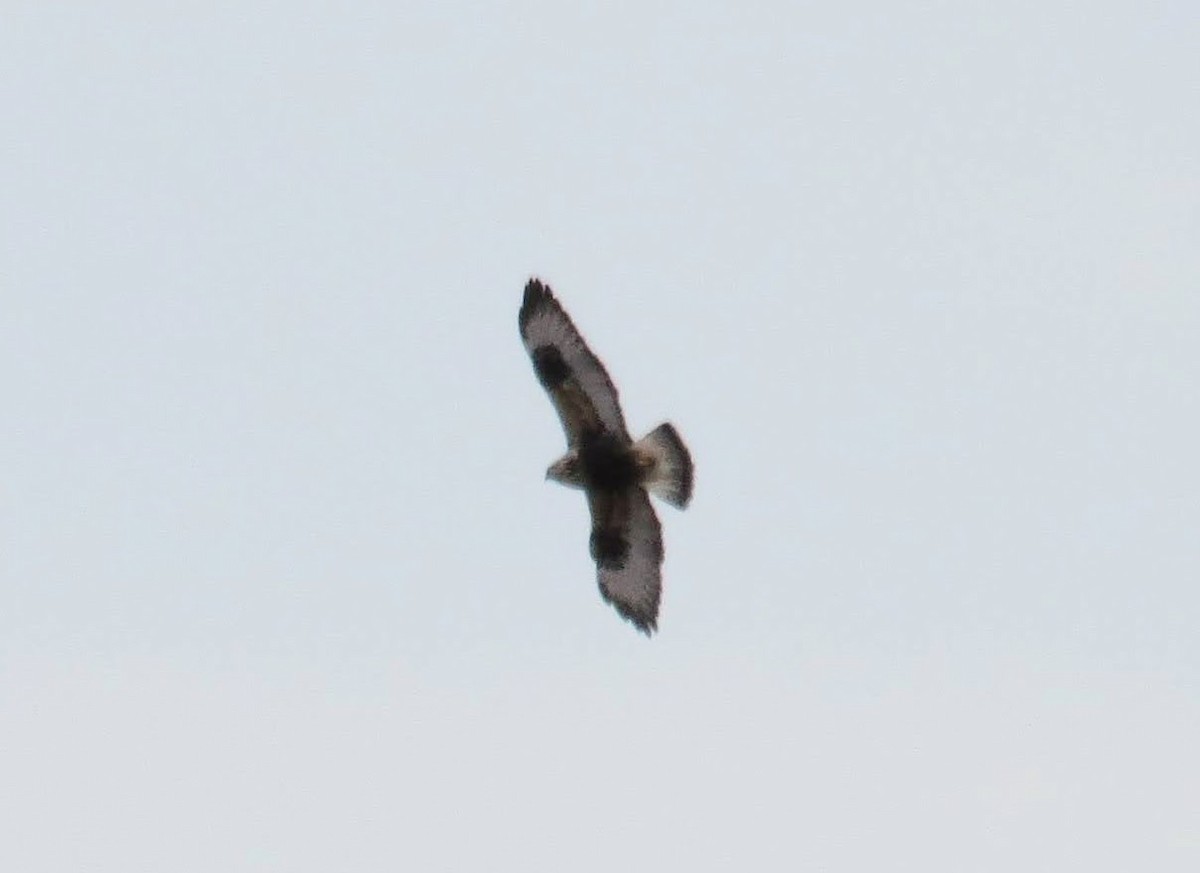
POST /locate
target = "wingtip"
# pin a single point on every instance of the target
(536, 289)
(644, 626)
(537, 294)
(644, 621)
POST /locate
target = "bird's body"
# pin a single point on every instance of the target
(615, 472)
(603, 462)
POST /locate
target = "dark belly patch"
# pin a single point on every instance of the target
(608, 464)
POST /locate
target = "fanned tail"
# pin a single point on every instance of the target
(668, 464)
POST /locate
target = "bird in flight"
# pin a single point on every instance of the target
(616, 473)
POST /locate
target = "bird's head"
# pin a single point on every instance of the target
(566, 470)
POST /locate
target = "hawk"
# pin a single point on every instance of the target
(616, 473)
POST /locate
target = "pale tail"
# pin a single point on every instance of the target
(670, 476)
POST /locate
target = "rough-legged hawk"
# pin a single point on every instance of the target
(614, 471)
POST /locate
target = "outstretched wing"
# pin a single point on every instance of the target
(583, 394)
(627, 547)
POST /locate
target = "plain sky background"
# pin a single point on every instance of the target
(282, 586)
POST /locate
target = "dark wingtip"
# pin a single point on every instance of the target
(646, 624)
(537, 295)
(536, 289)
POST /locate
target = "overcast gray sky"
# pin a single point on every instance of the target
(282, 586)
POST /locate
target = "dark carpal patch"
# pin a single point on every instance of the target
(610, 549)
(551, 367)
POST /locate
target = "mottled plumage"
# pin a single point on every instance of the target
(614, 471)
